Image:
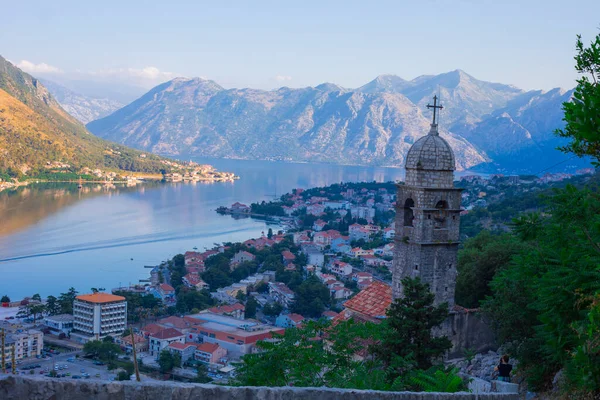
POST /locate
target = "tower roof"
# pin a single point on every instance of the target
(431, 152)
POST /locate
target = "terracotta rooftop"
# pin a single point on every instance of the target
(227, 308)
(207, 347)
(167, 333)
(181, 346)
(100, 298)
(296, 317)
(175, 322)
(372, 301)
(166, 287)
(152, 328)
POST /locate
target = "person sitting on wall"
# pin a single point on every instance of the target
(504, 369)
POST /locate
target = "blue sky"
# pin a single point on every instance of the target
(267, 44)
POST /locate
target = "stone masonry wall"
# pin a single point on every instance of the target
(27, 388)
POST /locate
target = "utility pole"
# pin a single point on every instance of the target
(14, 363)
(135, 362)
(3, 354)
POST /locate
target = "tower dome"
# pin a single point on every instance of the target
(430, 161)
(431, 152)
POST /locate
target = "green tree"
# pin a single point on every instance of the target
(52, 306)
(5, 299)
(65, 301)
(543, 301)
(270, 233)
(272, 309)
(478, 261)
(251, 305)
(317, 354)
(408, 340)
(123, 376)
(311, 297)
(167, 361)
(104, 350)
(582, 113)
(36, 297)
(202, 374)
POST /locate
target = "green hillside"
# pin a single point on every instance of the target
(36, 131)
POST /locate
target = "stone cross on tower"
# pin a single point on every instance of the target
(435, 108)
(428, 217)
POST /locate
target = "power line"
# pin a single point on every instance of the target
(558, 163)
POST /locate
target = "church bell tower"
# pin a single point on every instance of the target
(428, 217)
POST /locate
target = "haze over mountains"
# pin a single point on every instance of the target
(488, 124)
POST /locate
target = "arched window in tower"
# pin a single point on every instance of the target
(441, 214)
(408, 212)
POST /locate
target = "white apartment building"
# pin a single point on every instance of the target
(98, 315)
(28, 343)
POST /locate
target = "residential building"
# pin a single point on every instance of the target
(239, 208)
(236, 310)
(60, 323)
(362, 279)
(288, 257)
(281, 293)
(98, 315)
(389, 233)
(239, 337)
(341, 268)
(185, 350)
(193, 280)
(162, 339)
(27, 343)
(318, 225)
(370, 304)
(125, 342)
(242, 256)
(289, 320)
(210, 353)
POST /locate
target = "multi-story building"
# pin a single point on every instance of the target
(162, 339)
(59, 323)
(27, 344)
(98, 315)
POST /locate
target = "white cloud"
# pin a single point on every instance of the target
(146, 73)
(282, 78)
(41, 68)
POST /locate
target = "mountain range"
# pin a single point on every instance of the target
(490, 125)
(35, 131)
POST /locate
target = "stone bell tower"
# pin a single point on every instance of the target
(428, 217)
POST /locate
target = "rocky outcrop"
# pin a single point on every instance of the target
(20, 388)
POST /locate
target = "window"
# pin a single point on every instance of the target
(416, 267)
(408, 212)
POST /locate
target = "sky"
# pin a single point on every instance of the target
(269, 44)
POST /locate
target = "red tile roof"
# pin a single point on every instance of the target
(372, 301)
(176, 322)
(100, 298)
(296, 317)
(152, 328)
(207, 347)
(166, 287)
(226, 309)
(181, 346)
(167, 333)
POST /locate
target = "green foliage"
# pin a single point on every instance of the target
(105, 350)
(139, 305)
(65, 301)
(273, 309)
(188, 299)
(478, 261)
(301, 357)
(202, 374)
(408, 341)
(167, 361)
(543, 301)
(52, 306)
(5, 299)
(311, 297)
(123, 376)
(251, 305)
(582, 113)
(434, 379)
(270, 208)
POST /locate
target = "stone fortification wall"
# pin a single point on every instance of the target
(20, 388)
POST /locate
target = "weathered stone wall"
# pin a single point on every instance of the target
(467, 330)
(26, 388)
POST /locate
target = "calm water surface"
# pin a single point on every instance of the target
(53, 236)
